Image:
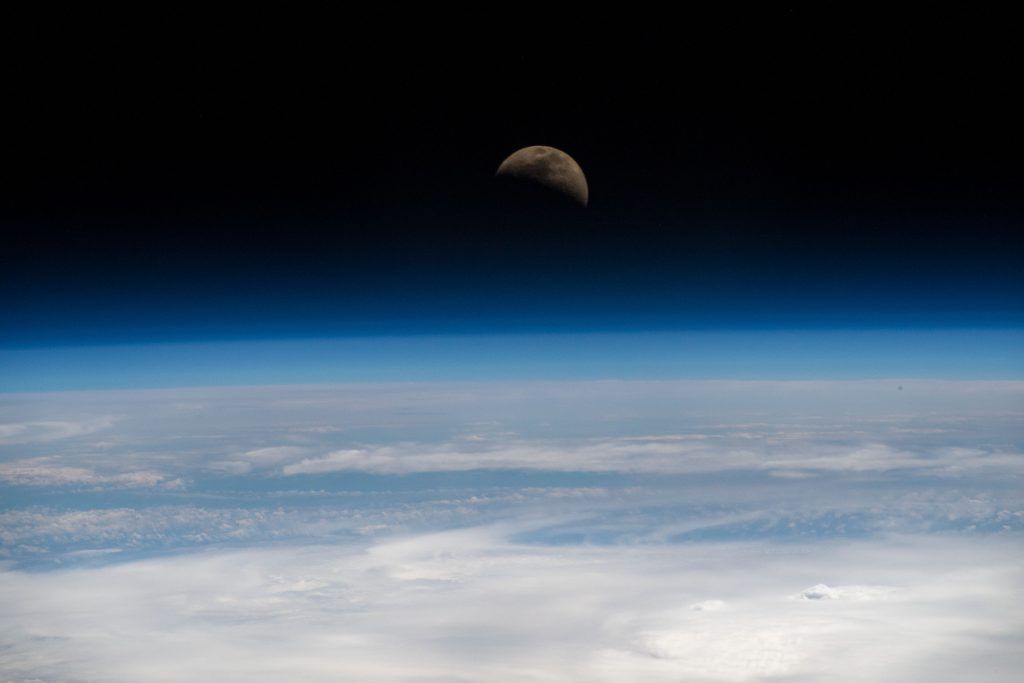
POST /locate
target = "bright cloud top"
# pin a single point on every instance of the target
(706, 531)
(469, 605)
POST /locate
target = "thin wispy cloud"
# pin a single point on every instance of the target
(52, 430)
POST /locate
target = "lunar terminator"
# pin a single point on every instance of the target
(549, 167)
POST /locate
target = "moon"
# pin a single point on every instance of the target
(549, 167)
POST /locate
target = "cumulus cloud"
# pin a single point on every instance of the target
(43, 472)
(53, 536)
(821, 591)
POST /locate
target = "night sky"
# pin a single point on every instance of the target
(789, 171)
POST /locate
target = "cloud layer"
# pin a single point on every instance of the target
(469, 605)
(604, 531)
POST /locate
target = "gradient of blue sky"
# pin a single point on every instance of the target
(754, 354)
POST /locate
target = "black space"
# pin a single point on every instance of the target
(787, 167)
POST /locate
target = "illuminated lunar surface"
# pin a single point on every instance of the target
(548, 167)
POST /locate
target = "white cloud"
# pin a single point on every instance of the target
(650, 454)
(260, 458)
(469, 605)
(821, 591)
(43, 472)
(47, 534)
(51, 430)
(787, 429)
(274, 454)
(562, 571)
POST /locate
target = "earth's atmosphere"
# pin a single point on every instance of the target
(515, 531)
